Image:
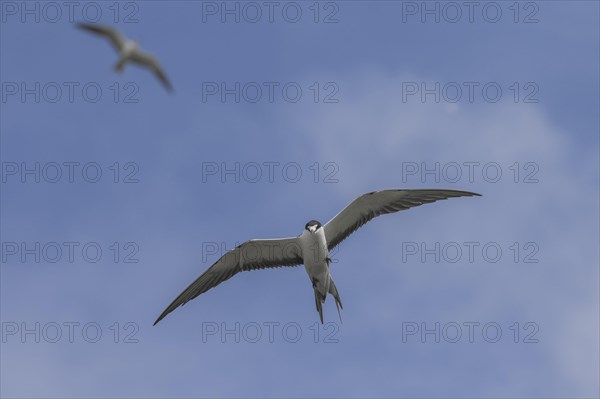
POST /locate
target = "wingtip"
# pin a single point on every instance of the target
(162, 316)
(168, 86)
(466, 193)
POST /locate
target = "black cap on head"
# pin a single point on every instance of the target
(313, 223)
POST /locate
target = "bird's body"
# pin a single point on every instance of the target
(129, 48)
(312, 247)
(129, 51)
(315, 255)
(126, 53)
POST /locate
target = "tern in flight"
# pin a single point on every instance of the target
(312, 247)
(129, 51)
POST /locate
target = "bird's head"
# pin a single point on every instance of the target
(313, 226)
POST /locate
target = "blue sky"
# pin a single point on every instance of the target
(370, 134)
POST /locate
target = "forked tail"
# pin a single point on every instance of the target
(121, 64)
(336, 295)
(320, 299)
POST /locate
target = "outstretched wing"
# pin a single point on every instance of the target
(116, 39)
(151, 62)
(371, 205)
(251, 255)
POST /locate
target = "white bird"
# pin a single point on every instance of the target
(312, 247)
(129, 51)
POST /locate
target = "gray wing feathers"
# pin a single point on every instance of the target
(371, 205)
(151, 62)
(251, 255)
(116, 39)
